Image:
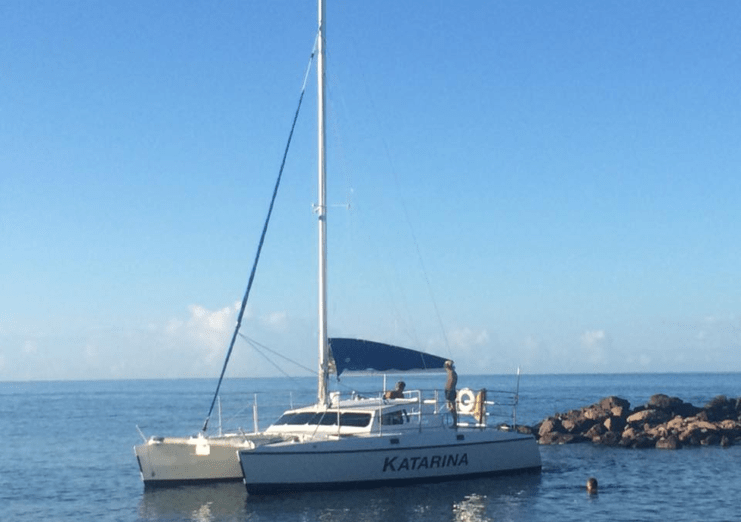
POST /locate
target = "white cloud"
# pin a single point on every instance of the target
(172, 326)
(276, 321)
(595, 344)
(466, 339)
(30, 346)
(209, 330)
(216, 321)
(203, 338)
(91, 350)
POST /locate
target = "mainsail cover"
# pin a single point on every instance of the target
(357, 355)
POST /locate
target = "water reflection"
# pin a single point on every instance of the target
(196, 503)
(500, 498)
(471, 509)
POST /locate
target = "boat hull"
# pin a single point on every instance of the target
(364, 462)
(174, 460)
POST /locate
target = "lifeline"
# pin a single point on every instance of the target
(414, 463)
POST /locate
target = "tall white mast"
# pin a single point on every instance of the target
(322, 212)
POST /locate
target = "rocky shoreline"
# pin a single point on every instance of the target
(664, 422)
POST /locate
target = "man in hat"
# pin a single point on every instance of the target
(450, 392)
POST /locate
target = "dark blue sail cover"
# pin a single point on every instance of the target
(357, 355)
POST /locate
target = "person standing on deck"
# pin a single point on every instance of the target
(450, 392)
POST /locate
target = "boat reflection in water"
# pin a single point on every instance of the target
(496, 498)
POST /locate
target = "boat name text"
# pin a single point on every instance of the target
(416, 463)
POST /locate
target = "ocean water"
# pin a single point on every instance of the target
(67, 455)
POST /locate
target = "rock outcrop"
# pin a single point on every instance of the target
(663, 422)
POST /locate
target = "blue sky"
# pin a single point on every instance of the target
(547, 185)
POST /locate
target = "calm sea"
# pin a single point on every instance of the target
(66, 454)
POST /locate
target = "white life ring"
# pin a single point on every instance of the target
(466, 400)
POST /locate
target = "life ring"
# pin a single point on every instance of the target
(466, 400)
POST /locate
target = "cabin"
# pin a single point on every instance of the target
(355, 416)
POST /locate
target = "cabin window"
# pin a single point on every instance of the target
(297, 418)
(357, 420)
(391, 418)
(328, 419)
(284, 419)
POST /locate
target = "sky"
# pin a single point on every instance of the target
(553, 186)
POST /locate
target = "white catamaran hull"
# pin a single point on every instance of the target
(368, 461)
(176, 460)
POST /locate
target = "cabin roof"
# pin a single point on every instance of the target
(358, 406)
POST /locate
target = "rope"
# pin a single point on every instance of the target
(259, 246)
(257, 346)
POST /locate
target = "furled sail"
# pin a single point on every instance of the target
(358, 355)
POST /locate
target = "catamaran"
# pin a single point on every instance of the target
(354, 441)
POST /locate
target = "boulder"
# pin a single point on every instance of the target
(609, 438)
(560, 438)
(548, 438)
(596, 414)
(672, 405)
(663, 402)
(628, 437)
(669, 442)
(633, 439)
(657, 432)
(577, 425)
(730, 429)
(571, 438)
(650, 416)
(702, 415)
(685, 409)
(721, 408)
(643, 442)
(616, 424)
(619, 411)
(728, 425)
(595, 432)
(703, 425)
(629, 432)
(675, 424)
(611, 402)
(550, 425)
(690, 436)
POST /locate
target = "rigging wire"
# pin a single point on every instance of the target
(262, 239)
(258, 346)
(264, 356)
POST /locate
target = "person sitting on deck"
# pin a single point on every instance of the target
(396, 393)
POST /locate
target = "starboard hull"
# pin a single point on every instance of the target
(364, 462)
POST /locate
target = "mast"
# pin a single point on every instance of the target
(322, 213)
